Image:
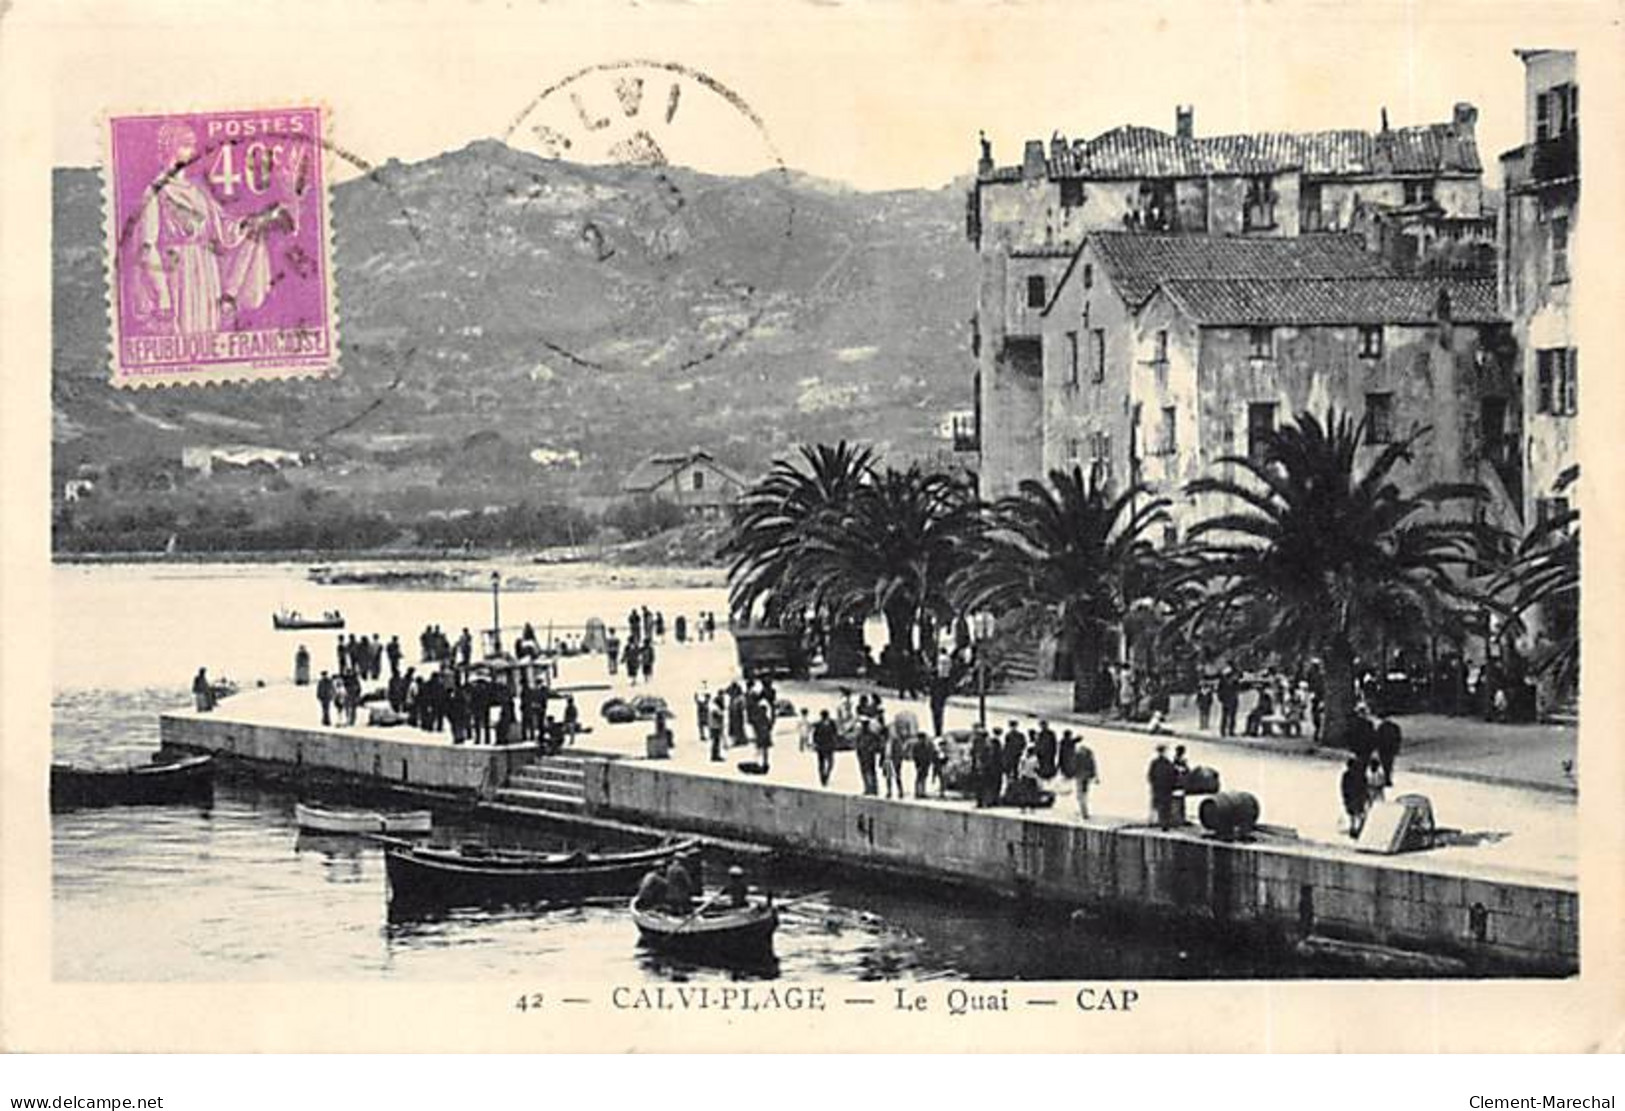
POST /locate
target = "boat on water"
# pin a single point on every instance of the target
(329, 819)
(188, 779)
(293, 619)
(725, 934)
(425, 876)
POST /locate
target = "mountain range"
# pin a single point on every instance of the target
(513, 327)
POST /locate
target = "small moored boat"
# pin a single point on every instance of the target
(190, 779)
(293, 619)
(422, 876)
(711, 933)
(328, 819)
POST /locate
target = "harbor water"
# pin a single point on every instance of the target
(234, 892)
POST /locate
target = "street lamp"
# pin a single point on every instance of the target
(981, 631)
(496, 613)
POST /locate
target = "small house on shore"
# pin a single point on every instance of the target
(693, 480)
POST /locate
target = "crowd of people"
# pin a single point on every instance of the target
(476, 704)
(738, 714)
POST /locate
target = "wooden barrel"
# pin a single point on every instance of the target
(1201, 780)
(1230, 814)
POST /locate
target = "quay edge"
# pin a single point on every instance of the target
(1272, 893)
(1277, 893)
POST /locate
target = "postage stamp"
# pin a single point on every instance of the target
(219, 253)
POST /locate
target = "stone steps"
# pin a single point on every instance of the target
(556, 784)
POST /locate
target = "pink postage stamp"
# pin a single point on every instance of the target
(220, 266)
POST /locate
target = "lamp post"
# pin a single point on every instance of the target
(496, 613)
(981, 628)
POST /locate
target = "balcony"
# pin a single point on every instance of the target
(1543, 163)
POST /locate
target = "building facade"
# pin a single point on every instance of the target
(1221, 362)
(693, 480)
(1412, 193)
(1540, 221)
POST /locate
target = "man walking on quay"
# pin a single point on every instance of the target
(1084, 772)
(823, 736)
(301, 667)
(1355, 799)
(324, 695)
(1162, 776)
(1229, 700)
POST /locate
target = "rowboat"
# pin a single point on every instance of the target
(469, 876)
(711, 934)
(327, 819)
(190, 779)
(285, 619)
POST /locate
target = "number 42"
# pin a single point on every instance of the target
(529, 1002)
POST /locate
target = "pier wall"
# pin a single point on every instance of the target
(1291, 890)
(377, 760)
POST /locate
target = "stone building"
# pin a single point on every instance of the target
(1539, 227)
(1220, 361)
(1091, 341)
(1540, 222)
(1413, 193)
(692, 479)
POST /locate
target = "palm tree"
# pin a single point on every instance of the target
(773, 519)
(1323, 551)
(1545, 575)
(1065, 557)
(890, 550)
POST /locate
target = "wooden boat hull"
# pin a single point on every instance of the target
(323, 819)
(741, 937)
(445, 878)
(188, 780)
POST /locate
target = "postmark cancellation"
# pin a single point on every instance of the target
(219, 248)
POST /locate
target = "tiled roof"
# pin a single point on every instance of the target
(1138, 262)
(1291, 301)
(1142, 152)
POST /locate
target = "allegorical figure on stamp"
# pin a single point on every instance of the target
(194, 263)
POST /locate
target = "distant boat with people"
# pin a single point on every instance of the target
(293, 619)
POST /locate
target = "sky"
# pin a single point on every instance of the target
(883, 95)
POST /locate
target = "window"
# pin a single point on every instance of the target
(1557, 381)
(1310, 216)
(1035, 291)
(1168, 433)
(1371, 343)
(1088, 275)
(1260, 207)
(1560, 248)
(1170, 536)
(1418, 192)
(1100, 458)
(1261, 342)
(699, 480)
(1072, 192)
(1379, 418)
(1072, 360)
(1557, 111)
(1097, 354)
(1072, 449)
(1260, 424)
(1161, 352)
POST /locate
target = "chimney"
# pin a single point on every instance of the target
(1185, 121)
(1032, 160)
(1385, 119)
(1464, 118)
(1058, 150)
